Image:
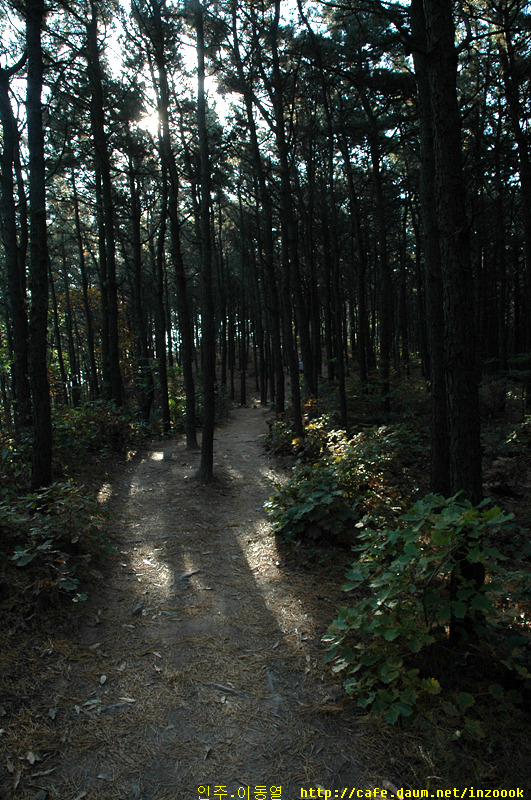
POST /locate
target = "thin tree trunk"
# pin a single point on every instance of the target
(265, 231)
(109, 287)
(69, 324)
(155, 31)
(14, 251)
(62, 395)
(41, 462)
(207, 307)
(160, 312)
(94, 388)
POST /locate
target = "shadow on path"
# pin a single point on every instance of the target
(203, 665)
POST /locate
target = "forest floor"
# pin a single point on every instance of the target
(199, 663)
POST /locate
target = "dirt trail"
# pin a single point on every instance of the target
(200, 665)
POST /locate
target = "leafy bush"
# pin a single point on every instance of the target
(343, 483)
(314, 504)
(56, 532)
(404, 606)
(15, 463)
(97, 427)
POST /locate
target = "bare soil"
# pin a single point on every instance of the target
(199, 663)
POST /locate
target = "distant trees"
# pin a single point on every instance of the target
(364, 198)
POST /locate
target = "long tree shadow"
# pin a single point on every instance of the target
(207, 637)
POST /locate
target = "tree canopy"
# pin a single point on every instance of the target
(189, 189)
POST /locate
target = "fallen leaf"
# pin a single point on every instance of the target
(103, 679)
(30, 757)
(52, 713)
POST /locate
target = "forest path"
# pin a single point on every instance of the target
(201, 663)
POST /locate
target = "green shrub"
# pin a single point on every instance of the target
(313, 505)
(342, 485)
(403, 606)
(280, 439)
(97, 427)
(15, 463)
(57, 533)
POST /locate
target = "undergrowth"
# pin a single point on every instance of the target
(390, 645)
(338, 485)
(55, 536)
(404, 606)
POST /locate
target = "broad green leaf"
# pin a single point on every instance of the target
(481, 602)
(393, 714)
(391, 634)
(459, 609)
(465, 700)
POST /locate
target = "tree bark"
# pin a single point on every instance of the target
(208, 329)
(41, 460)
(440, 453)
(462, 373)
(113, 376)
(94, 389)
(155, 30)
(15, 257)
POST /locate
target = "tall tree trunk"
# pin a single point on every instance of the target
(41, 461)
(61, 395)
(69, 324)
(385, 299)
(462, 374)
(94, 388)
(363, 320)
(516, 116)
(289, 254)
(155, 30)
(109, 287)
(145, 382)
(15, 256)
(208, 328)
(160, 311)
(265, 231)
(440, 452)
